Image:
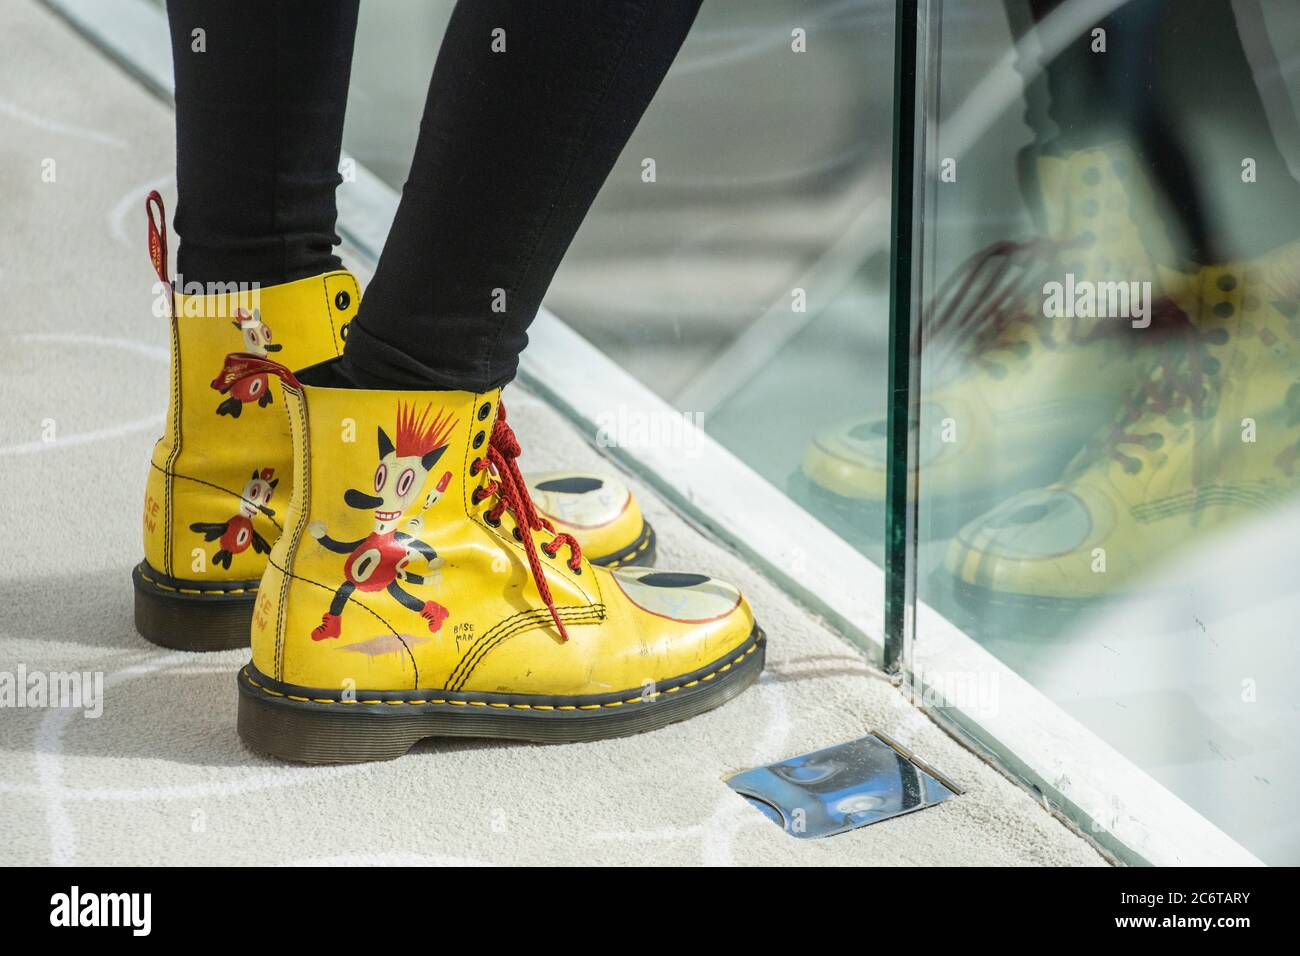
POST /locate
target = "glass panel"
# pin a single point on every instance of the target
(745, 281)
(1108, 394)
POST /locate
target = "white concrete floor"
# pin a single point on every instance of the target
(161, 777)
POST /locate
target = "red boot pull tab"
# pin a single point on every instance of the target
(157, 234)
(158, 243)
(242, 365)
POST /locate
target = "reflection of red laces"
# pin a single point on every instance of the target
(512, 495)
(991, 290)
(1181, 379)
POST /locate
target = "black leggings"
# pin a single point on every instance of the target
(513, 148)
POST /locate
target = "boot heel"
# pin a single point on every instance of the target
(192, 619)
(317, 734)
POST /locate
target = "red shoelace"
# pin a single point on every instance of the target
(512, 495)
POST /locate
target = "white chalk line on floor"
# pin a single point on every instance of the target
(16, 112)
(110, 432)
(717, 833)
(49, 768)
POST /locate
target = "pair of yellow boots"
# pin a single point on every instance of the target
(402, 578)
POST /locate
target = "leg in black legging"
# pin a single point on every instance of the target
(260, 98)
(513, 148)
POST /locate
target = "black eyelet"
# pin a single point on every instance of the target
(342, 300)
(476, 496)
(518, 536)
(478, 439)
(488, 520)
(485, 411)
(577, 570)
(343, 331)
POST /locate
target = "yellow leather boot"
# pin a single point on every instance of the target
(417, 592)
(220, 473)
(599, 511)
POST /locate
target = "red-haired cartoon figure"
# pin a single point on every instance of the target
(378, 562)
(237, 535)
(235, 379)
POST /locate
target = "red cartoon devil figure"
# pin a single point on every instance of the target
(378, 562)
(237, 535)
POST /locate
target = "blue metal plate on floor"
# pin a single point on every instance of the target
(841, 788)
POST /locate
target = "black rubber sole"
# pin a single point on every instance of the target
(186, 616)
(640, 553)
(309, 725)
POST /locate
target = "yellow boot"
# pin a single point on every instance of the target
(1014, 393)
(600, 512)
(1211, 436)
(221, 470)
(416, 592)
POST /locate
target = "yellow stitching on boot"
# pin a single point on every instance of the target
(462, 703)
(212, 590)
(177, 414)
(627, 559)
(302, 488)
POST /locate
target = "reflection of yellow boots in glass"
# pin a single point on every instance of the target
(416, 592)
(1015, 393)
(1209, 437)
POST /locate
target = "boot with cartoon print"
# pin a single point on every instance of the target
(417, 591)
(208, 525)
(219, 472)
